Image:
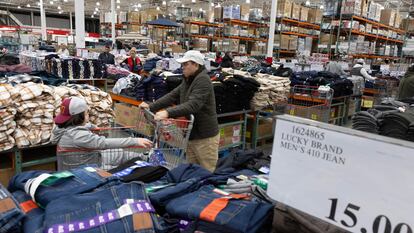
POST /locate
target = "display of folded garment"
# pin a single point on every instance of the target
(9, 59)
(116, 72)
(340, 86)
(19, 68)
(398, 125)
(143, 88)
(273, 90)
(7, 116)
(35, 105)
(75, 68)
(11, 212)
(23, 78)
(101, 113)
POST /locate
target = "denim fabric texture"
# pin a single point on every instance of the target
(10, 212)
(33, 220)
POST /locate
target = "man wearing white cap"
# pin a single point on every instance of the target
(195, 95)
(359, 70)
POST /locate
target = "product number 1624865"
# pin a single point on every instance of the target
(380, 222)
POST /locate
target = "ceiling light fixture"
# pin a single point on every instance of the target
(136, 9)
(28, 5)
(92, 16)
(321, 7)
(96, 9)
(65, 0)
(118, 1)
(51, 2)
(193, 1)
(139, 5)
(94, 12)
(201, 9)
(60, 12)
(212, 4)
(18, 7)
(59, 8)
(98, 3)
(164, 3)
(307, 3)
(248, 1)
(38, 3)
(158, 8)
(182, 5)
(117, 7)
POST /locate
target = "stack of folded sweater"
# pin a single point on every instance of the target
(148, 88)
(74, 68)
(272, 90)
(341, 86)
(35, 104)
(101, 113)
(7, 115)
(116, 72)
(399, 125)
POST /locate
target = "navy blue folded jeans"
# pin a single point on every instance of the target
(10, 212)
(34, 215)
(240, 215)
(82, 208)
(82, 180)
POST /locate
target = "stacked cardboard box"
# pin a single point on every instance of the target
(255, 14)
(134, 17)
(397, 20)
(295, 11)
(245, 12)
(284, 9)
(388, 17)
(304, 13)
(364, 7)
(218, 13)
(231, 12)
(374, 11)
(284, 42)
(408, 25)
(230, 135)
(351, 7)
(331, 7)
(293, 43)
(315, 16)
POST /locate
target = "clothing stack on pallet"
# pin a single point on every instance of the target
(7, 115)
(36, 105)
(74, 68)
(101, 113)
(273, 90)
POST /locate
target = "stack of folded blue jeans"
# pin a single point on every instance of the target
(10, 212)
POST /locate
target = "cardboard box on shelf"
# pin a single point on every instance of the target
(304, 13)
(284, 9)
(255, 14)
(295, 11)
(231, 12)
(364, 8)
(408, 25)
(218, 13)
(314, 16)
(284, 42)
(244, 11)
(388, 17)
(293, 43)
(397, 21)
(326, 38)
(230, 135)
(352, 7)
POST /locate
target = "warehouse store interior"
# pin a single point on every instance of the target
(214, 116)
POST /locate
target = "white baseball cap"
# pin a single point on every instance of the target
(70, 107)
(360, 60)
(192, 55)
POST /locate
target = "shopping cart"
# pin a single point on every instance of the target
(170, 139)
(310, 102)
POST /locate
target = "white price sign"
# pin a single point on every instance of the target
(358, 181)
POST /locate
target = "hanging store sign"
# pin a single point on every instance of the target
(358, 181)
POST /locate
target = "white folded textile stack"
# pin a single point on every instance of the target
(273, 90)
(7, 115)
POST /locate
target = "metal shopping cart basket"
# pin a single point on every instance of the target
(170, 139)
(310, 102)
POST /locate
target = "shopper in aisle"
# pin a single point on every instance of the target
(227, 61)
(133, 62)
(195, 95)
(73, 130)
(359, 70)
(219, 58)
(106, 57)
(334, 67)
(406, 88)
(63, 50)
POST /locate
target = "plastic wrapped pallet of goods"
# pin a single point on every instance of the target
(244, 12)
(304, 13)
(293, 43)
(351, 7)
(364, 8)
(255, 14)
(408, 25)
(284, 8)
(378, 12)
(134, 17)
(284, 42)
(397, 20)
(314, 16)
(388, 17)
(295, 11)
(218, 13)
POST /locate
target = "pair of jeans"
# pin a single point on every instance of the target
(10, 212)
(83, 179)
(240, 215)
(84, 207)
(34, 215)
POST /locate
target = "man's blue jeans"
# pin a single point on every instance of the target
(33, 221)
(240, 215)
(82, 207)
(10, 212)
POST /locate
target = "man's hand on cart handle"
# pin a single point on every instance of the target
(144, 142)
(144, 105)
(161, 115)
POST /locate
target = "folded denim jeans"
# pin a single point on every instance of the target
(34, 215)
(57, 186)
(240, 215)
(10, 212)
(104, 211)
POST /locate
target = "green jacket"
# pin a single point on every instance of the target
(406, 88)
(193, 96)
